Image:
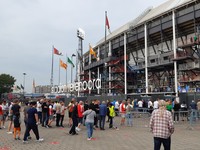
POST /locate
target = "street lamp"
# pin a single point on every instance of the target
(24, 83)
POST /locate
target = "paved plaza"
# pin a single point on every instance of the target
(137, 137)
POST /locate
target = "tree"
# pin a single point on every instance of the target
(6, 83)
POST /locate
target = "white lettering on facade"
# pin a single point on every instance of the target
(77, 86)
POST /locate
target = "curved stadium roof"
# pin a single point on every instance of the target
(147, 15)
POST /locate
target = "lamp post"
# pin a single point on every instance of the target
(24, 74)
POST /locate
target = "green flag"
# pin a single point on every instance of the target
(69, 61)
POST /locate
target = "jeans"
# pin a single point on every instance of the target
(40, 116)
(44, 118)
(102, 122)
(166, 143)
(89, 126)
(129, 119)
(176, 115)
(61, 120)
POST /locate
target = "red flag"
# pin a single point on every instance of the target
(57, 51)
(107, 23)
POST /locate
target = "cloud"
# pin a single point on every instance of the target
(29, 29)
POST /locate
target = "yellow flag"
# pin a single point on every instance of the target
(92, 52)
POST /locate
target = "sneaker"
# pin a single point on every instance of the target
(9, 132)
(89, 139)
(29, 137)
(47, 126)
(25, 142)
(78, 129)
(40, 140)
(4, 127)
(18, 138)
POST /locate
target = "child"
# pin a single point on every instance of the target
(17, 127)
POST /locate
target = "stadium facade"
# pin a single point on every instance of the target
(158, 52)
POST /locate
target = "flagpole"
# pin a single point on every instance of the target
(52, 66)
(105, 52)
(105, 29)
(66, 70)
(59, 73)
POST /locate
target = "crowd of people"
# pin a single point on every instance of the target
(93, 115)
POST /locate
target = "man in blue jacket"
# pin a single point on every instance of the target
(102, 114)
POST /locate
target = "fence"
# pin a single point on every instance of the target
(141, 118)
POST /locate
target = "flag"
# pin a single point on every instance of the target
(69, 61)
(22, 87)
(107, 24)
(18, 87)
(56, 51)
(92, 52)
(62, 64)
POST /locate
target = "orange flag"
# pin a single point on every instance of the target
(92, 52)
(62, 64)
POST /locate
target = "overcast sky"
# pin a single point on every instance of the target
(29, 28)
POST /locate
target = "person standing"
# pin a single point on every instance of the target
(32, 123)
(176, 110)
(162, 126)
(58, 111)
(122, 109)
(116, 107)
(10, 116)
(62, 113)
(129, 115)
(80, 115)
(74, 119)
(102, 115)
(1, 114)
(39, 110)
(26, 108)
(111, 115)
(17, 127)
(44, 113)
(15, 109)
(90, 115)
(5, 112)
(70, 108)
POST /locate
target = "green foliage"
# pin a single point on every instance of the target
(6, 83)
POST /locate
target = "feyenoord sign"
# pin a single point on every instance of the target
(77, 86)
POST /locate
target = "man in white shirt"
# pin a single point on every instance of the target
(155, 104)
(39, 110)
(140, 105)
(116, 107)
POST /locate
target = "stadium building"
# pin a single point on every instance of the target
(156, 53)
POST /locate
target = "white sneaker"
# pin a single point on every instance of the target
(78, 129)
(9, 132)
(40, 140)
(25, 142)
(4, 127)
